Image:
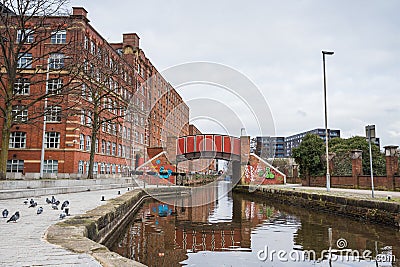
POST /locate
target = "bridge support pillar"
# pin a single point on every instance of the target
(244, 156)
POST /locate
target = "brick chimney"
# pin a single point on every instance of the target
(131, 39)
(79, 11)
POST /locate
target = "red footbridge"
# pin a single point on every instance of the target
(213, 146)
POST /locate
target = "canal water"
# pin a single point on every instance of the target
(237, 230)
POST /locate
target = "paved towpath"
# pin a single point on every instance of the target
(22, 243)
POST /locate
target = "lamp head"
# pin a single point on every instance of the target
(328, 52)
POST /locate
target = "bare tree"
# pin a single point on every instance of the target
(27, 27)
(107, 83)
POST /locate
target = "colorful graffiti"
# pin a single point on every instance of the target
(260, 172)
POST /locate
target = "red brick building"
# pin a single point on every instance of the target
(112, 83)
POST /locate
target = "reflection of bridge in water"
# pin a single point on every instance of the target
(222, 223)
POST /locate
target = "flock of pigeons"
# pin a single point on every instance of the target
(33, 204)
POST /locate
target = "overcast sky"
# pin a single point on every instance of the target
(277, 45)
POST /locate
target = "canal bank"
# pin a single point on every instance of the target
(347, 203)
(86, 234)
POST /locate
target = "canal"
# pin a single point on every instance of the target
(216, 227)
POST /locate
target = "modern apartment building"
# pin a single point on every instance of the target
(270, 147)
(86, 80)
(295, 140)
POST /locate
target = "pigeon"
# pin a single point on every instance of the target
(53, 200)
(48, 201)
(40, 210)
(5, 213)
(26, 202)
(62, 215)
(34, 204)
(64, 204)
(14, 218)
(54, 206)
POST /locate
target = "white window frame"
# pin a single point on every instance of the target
(24, 61)
(50, 166)
(82, 142)
(83, 119)
(80, 167)
(59, 37)
(17, 140)
(96, 148)
(53, 114)
(56, 61)
(113, 149)
(20, 113)
(15, 165)
(25, 36)
(52, 140)
(54, 86)
(21, 86)
(88, 142)
(103, 146)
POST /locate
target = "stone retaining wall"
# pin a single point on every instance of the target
(382, 212)
(81, 234)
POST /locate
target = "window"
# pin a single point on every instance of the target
(103, 126)
(56, 61)
(59, 37)
(103, 146)
(87, 167)
(21, 86)
(52, 140)
(15, 165)
(113, 168)
(102, 168)
(53, 114)
(19, 113)
(50, 166)
(92, 47)
(141, 138)
(123, 151)
(25, 36)
(95, 167)
(24, 60)
(82, 142)
(88, 142)
(89, 118)
(96, 146)
(54, 86)
(17, 140)
(108, 148)
(119, 150)
(114, 147)
(83, 91)
(86, 42)
(108, 168)
(80, 167)
(83, 117)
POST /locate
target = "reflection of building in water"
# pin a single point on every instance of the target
(162, 234)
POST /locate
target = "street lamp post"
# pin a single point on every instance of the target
(328, 177)
(44, 121)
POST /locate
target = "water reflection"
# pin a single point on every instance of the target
(231, 230)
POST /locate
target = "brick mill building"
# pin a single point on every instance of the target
(92, 79)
